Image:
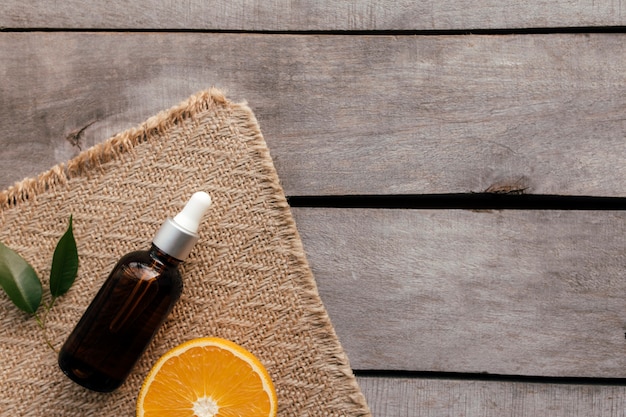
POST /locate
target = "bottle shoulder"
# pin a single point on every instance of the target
(135, 256)
(144, 265)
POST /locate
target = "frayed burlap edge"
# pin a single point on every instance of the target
(247, 126)
(114, 147)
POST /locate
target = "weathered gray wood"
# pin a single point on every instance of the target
(314, 15)
(403, 397)
(413, 115)
(503, 292)
(438, 114)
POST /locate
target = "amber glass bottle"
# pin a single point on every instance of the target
(131, 305)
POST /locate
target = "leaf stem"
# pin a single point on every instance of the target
(39, 321)
(49, 306)
(42, 323)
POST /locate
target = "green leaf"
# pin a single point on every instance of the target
(19, 280)
(64, 263)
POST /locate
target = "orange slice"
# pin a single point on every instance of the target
(207, 377)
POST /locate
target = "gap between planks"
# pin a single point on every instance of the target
(472, 201)
(562, 30)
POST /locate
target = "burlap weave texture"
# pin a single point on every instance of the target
(246, 280)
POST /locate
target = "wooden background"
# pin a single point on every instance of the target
(436, 114)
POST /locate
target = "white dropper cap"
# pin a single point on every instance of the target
(177, 236)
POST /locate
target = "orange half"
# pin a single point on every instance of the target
(207, 377)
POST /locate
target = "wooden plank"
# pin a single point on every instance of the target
(407, 397)
(537, 293)
(421, 114)
(323, 15)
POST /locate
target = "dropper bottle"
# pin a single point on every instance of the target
(132, 304)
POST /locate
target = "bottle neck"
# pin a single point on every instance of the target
(175, 240)
(160, 256)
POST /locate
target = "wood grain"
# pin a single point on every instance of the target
(407, 397)
(537, 293)
(323, 15)
(453, 290)
(419, 114)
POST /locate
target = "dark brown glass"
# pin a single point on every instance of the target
(121, 320)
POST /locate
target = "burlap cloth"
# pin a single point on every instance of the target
(247, 279)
